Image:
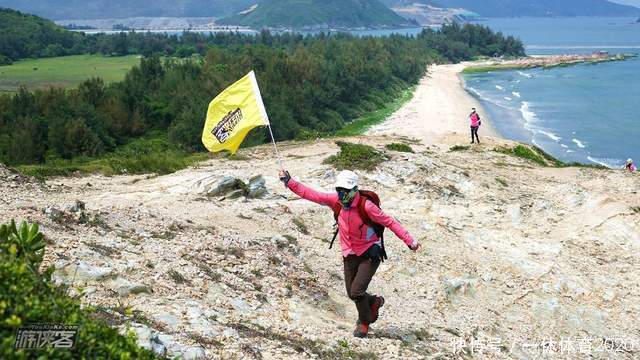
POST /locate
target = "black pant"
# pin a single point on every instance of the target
(474, 131)
(358, 272)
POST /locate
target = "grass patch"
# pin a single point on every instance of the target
(362, 124)
(399, 147)
(355, 157)
(459, 148)
(524, 152)
(274, 260)
(542, 158)
(502, 182)
(177, 277)
(150, 154)
(497, 67)
(302, 227)
(64, 71)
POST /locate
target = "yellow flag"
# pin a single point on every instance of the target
(232, 114)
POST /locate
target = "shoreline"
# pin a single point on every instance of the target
(568, 148)
(438, 112)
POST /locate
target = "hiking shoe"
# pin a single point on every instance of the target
(361, 330)
(375, 308)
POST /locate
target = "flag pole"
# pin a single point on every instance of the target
(275, 147)
(256, 90)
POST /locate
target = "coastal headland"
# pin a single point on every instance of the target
(518, 251)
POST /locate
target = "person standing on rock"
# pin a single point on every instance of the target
(362, 247)
(475, 125)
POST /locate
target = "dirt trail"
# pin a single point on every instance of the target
(516, 256)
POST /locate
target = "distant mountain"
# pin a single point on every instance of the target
(517, 8)
(317, 14)
(103, 9)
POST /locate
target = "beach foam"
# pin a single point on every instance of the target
(516, 94)
(580, 144)
(610, 163)
(550, 135)
(508, 98)
(528, 76)
(528, 115)
(499, 88)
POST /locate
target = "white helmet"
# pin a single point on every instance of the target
(629, 161)
(347, 180)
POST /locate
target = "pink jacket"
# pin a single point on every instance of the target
(355, 236)
(475, 119)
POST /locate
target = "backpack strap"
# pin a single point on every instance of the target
(336, 213)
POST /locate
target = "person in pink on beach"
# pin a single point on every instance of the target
(630, 166)
(475, 125)
(359, 222)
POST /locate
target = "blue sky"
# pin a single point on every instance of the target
(628, 2)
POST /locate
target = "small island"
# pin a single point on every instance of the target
(545, 61)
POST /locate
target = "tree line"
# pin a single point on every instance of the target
(310, 84)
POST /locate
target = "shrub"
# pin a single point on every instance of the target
(29, 296)
(524, 152)
(502, 182)
(302, 227)
(355, 157)
(399, 147)
(154, 154)
(540, 157)
(459, 148)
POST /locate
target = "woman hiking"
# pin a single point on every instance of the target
(475, 125)
(362, 247)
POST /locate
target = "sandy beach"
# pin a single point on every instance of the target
(439, 110)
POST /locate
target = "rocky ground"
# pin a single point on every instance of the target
(520, 261)
(547, 61)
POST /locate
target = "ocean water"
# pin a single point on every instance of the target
(585, 113)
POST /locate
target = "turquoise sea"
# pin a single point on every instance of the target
(585, 113)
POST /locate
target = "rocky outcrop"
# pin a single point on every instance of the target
(543, 253)
(230, 187)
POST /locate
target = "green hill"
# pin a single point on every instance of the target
(517, 8)
(103, 9)
(23, 35)
(317, 14)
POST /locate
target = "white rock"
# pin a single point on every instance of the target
(192, 352)
(231, 333)
(125, 287)
(89, 272)
(169, 320)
